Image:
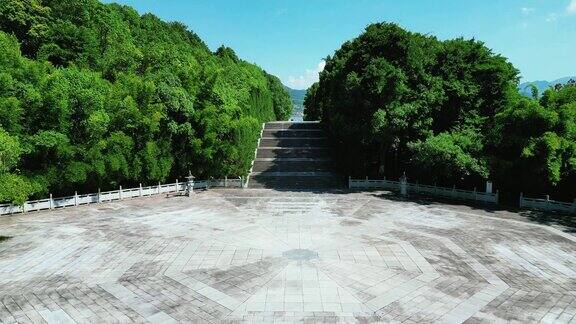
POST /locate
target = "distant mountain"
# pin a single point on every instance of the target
(298, 101)
(296, 95)
(542, 85)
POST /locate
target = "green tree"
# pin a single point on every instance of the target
(534, 144)
(397, 101)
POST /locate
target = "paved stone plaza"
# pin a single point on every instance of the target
(269, 256)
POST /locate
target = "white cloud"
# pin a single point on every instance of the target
(572, 7)
(552, 17)
(526, 10)
(307, 79)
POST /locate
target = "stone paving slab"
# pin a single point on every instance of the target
(263, 256)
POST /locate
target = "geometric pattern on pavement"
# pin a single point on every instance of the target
(264, 255)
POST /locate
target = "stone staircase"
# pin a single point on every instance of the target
(294, 155)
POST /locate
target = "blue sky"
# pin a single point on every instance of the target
(289, 38)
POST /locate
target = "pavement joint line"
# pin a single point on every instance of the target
(542, 226)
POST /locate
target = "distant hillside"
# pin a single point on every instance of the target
(542, 85)
(297, 97)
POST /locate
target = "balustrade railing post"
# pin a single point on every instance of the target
(51, 206)
(190, 184)
(159, 187)
(99, 199)
(75, 198)
(349, 182)
(226, 182)
(521, 202)
(404, 185)
(140, 190)
(177, 187)
(120, 192)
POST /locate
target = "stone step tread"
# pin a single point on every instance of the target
(291, 153)
(268, 169)
(305, 166)
(272, 145)
(291, 141)
(292, 126)
(297, 182)
(294, 138)
(292, 160)
(293, 174)
(294, 133)
(290, 130)
(293, 148)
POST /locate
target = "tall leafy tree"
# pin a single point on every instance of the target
(403, 101)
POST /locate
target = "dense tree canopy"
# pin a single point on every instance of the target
(533, 145)
(442, 111)
(93, 96)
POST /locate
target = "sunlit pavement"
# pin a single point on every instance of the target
(265, 256)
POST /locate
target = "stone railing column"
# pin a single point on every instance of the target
(190, 185)
(489, 187)
(404, 185)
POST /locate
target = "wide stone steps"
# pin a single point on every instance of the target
(289, 152)
(292, 125)
(293, 182)
(294, 155)
(293, 166)
(293, 142)
(291, 133)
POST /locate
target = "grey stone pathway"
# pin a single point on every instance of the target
(269, 256)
